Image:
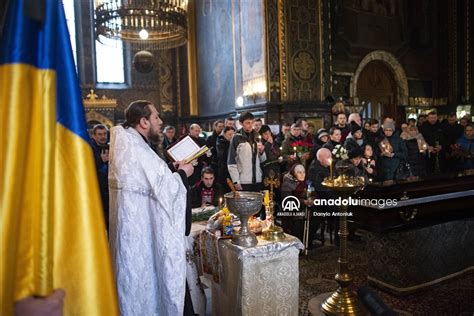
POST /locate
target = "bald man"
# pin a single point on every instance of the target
(355, 117)
(319, 168)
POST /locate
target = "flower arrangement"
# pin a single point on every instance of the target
(340, 153)
(301, 147)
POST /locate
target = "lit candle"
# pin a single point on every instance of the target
(294, 148)
(260, 138)
(220, 202)
(368, 162)
(330, 168)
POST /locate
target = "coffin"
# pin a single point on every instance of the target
(426, 238)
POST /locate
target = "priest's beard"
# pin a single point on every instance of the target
(154, 136)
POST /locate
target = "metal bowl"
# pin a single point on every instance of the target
(244, 204)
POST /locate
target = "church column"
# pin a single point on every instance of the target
(468, 86)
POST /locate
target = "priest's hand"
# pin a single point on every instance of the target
(51, 305)
(186, 167)
(238, 186)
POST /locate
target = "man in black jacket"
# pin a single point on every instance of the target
(101, 156)
(432, 131)
(211, 142)
(207, 191)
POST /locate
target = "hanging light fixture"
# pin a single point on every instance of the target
(143, 24)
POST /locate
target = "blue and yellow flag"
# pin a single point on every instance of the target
(52, 231)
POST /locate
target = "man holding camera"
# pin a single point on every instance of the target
(100, 146)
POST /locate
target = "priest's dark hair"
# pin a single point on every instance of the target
(135, 111)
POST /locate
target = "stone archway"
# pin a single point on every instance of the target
(392, 63)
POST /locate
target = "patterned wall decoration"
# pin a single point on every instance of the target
(165, 62)
(282, 47)
(326, 59)
(273, 60)
(304, 50)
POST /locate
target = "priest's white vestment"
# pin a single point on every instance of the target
(147, 227)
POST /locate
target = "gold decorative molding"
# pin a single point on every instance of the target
(167, 107)
(282, 49)
(192, 62)
(95, 116)
(330, 49)
(178, 82)
(304, 65)
(92, 100)
(420, 101)
(321, 43)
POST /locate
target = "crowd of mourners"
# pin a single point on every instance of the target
(301, 156)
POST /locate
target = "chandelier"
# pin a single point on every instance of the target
(143, 24)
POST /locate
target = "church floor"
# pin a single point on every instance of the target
(454, 297)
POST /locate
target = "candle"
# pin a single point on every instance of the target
(266, 198)
(220, 202)
(294, 148)
(368, 162)
(330, 167)
(260, 138)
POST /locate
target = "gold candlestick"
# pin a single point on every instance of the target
(273, 232)
(330, 168)
(343, 301)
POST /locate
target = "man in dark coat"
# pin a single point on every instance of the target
(222, 148)
(100, 147)
(341, 123)
(432, 131)
(211, 142)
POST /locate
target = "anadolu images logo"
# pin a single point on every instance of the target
(290, 203)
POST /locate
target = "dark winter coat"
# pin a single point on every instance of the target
(415, 159)
(389, 166)
(222, 151)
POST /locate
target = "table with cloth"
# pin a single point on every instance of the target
(261, 280)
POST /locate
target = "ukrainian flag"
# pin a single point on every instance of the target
(52, 232)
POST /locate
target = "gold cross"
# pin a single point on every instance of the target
(272, 182)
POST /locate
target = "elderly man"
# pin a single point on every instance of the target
(355, 117)
(203, 161)
(149, 218)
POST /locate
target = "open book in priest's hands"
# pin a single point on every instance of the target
(187, 150)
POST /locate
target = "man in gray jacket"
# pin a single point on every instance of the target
(246, 153)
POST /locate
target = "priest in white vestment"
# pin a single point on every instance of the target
(147, 218)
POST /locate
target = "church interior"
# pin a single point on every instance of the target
(293, 67)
